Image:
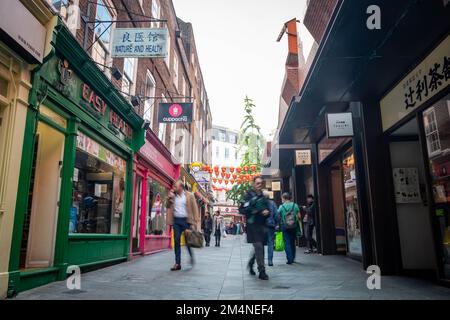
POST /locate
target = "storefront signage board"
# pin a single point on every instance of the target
(339, 125)
(429, 78)
(303, 157)
(22, 29)
(175, 113)
(139, 43)
(151, 154)
(276, 185)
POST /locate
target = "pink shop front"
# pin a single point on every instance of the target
(154, 174)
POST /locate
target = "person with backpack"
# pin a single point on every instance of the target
(288, 216)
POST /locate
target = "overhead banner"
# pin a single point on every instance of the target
(175, 113)
(139, 43)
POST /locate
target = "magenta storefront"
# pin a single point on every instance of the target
(154, 174)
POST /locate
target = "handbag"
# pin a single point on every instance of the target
(279, 243)
(194, 238)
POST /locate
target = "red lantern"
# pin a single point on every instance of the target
(216, 168)
(238, 170)
(231, 169)
(245, 168)
(224, 169)
(214, 180)
(220, 180)
(253, 168)
(222, 175)
(228, 175)
(226, 182)
(234, 176)
(232, 181)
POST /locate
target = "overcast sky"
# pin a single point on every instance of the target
(239, 55)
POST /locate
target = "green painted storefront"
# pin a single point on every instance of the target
(73, 109)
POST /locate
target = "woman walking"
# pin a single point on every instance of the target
(218, 227)
(207, 228)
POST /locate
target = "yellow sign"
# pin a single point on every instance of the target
(429, 78)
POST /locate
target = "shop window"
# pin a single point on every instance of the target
(156, 223)
(351, 204)
(436, 122)
(98, 189)
(156, 12)
(431, 131)
(227, 153)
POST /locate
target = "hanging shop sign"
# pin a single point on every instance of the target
(303, 157)
(175, 113)
(339, 125)
(276, 186)
(429, 78)
(21, 30)
(139, 43)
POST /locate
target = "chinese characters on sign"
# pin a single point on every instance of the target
(429, 78)
(136, 42)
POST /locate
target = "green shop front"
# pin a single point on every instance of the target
(75, 188)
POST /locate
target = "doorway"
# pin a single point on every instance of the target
(137, 215)
(411, 200)
(39, 230)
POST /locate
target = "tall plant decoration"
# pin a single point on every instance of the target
(251, 146)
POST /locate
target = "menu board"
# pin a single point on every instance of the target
(406, 184)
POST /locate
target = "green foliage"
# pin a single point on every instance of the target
(251, 146)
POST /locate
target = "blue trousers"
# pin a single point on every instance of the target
(270, 244)
(179, 226)
(289, 236)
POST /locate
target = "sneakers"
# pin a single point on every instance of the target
(308, 251)
(176, 267)
(263, 276)
(270, 264)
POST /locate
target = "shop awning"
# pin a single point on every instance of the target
(354, 63)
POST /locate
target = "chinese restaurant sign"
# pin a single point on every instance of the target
(139, 42)
(175, 113)
(429, 78)
(303, 157)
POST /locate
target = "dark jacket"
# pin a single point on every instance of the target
(207, 225)
(271, 221)
(253, 207)
(310, 214)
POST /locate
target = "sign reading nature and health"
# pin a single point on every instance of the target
(139, 42)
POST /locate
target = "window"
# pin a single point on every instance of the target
(169, 48)
(102, 33)
(156, 12)
(156, 209)
(175, 71)
(227, 153)
(162, 127)
(222, 136)
(217, 152)
(431, 131)
(98, 189)
(150, 93)
(233, 138)
(129, 72)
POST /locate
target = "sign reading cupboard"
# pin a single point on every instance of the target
(139, 42)
(175, 113)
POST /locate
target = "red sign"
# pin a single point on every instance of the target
(151, 154)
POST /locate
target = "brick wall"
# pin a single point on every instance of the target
(317, 17)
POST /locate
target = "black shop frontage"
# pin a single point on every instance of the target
(382, 186)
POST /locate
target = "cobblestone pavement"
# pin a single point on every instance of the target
(220, 273)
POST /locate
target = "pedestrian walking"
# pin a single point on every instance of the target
(238, 228)
(288, 216)
(256, 210)
(207, 228)
(218, 227)
(271, 225)
(309, 221)
(182, 214)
